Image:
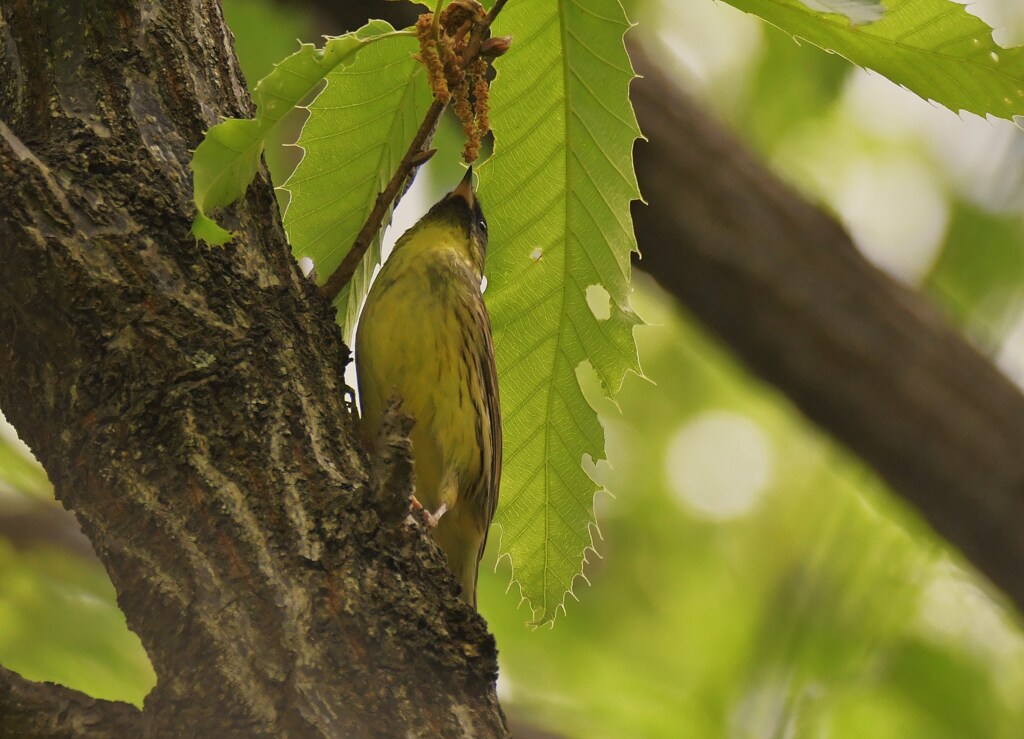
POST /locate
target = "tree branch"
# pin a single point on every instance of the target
(29, 709)
(416, 155)
(188, 404)
(32, 523)
(867, 359)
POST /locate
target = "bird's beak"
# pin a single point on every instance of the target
(464, 189)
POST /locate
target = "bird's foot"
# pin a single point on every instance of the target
(433, 518)
(429, 518)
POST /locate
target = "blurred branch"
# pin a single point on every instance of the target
(336, 17)
(870, 361)
(31, 709)
(34, 523)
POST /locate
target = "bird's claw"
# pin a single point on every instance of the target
(430, 519)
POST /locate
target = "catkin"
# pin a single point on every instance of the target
(482, 96)
(449, 80)
(431, 59)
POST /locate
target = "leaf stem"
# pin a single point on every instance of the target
(415, 155)
(382, 36)
(435, 25)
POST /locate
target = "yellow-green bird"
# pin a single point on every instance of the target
(425, 336)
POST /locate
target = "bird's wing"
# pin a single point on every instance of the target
(491, 474)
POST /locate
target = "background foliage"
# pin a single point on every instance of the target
(755, 580)
(934, 47)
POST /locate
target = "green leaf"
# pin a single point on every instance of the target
(358, 130)
(206, 229)
(557, 194)
(933, 47)
(227, 159)
(265, 32)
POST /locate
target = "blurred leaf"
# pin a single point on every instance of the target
(226, 161)
(557, 192)
(803, 613)
(265, 31)
(954, 687)
(358, 130)
(980, 271)
(20, 474)
(857, 11)
(793, 84)
(59, 622)
(878, 712)
(933, 47)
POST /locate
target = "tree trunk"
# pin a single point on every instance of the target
(189, 407)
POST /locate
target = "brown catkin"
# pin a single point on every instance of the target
(464, 112)
(481, 97)
(448, 78)
(431, 59)
(457, 15)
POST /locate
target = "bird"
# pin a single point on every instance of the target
(424, 335)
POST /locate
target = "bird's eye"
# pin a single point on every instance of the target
(482, 225)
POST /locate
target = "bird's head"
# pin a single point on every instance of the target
(461, 209)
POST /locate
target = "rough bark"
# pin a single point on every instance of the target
(869, 360)
(188, 405)
(31, 709)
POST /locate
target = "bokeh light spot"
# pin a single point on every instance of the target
(719, 465)
(897, 215)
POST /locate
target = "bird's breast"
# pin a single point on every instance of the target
(421, 336)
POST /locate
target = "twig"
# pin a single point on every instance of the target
(494, 13)
(474, 45)
(435, 27)
(414, 156)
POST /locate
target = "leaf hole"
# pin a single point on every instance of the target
(600, 302)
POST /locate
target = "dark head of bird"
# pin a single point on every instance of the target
(461, 206)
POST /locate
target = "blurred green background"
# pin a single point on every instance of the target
(751, 578)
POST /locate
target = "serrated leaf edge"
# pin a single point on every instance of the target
(203, 220)
(624, 307)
